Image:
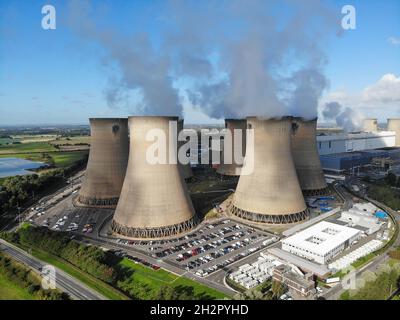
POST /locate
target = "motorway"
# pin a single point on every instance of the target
(76, 289)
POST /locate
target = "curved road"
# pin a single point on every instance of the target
(76, 289)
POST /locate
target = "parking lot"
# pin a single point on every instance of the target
(209, 248)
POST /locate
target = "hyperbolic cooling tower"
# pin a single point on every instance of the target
(394, 125)
(154, 200)
(108, 158)
(185, 168)
(306, 157)
(271, 192)
(233, 169)
(370, 125)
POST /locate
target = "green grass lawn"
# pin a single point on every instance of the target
(153, 279)
(96, 284)
(10, 291)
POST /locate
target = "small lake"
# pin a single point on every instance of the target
(14, 166)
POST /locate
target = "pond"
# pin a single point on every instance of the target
(14, 166)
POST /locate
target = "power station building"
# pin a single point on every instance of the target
(306, 157)
(270, 193)
(108, 158)
(154, 200)
(230, 167)
(321, 242)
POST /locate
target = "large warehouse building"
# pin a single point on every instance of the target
(321, 242)
(359, 141)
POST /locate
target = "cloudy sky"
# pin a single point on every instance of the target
(202, 61)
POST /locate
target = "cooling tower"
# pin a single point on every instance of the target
(108, 158)
(271, 192)
(154, 200)
(370, 125)
(306, 157)
(185, 168)
(394, 125)
(233, 169)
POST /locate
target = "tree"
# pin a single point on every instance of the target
(278, 289)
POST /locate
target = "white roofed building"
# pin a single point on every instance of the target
(321, 242)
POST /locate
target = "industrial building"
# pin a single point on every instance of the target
(230, 167)
(306, 157)
(154, 200)
(362, 215)
(349, 160)
(321, 242)
(271, 192)
(108, 158)
(358, 141)
(301, 285)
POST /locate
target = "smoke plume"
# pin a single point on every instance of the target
(346, 118)
(231, 59)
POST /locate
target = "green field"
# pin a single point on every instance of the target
(153, 279)
(71, 140)
(10, 291)
(27, 148)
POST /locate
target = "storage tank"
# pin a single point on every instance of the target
(232, 168)
(306, 157)
(108, 158)
(271, 192)
(154, 201)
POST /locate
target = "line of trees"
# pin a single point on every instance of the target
(25, 278)
(103, 265)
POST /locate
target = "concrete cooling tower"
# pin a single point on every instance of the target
(370, 125)
(108, 158)
(394, 125)
(306, 157)
(185, 168)
(271, 192)
(233, 169)
(154, 201)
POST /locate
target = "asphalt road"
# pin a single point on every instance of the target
(76, 289)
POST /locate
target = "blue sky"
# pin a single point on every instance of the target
(57, 77)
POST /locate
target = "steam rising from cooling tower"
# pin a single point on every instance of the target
(244, 63)
(108, 158)
(306, 157)
(271, 193)
(233, 168)
(154, 201)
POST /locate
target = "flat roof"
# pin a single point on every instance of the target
(321, 237)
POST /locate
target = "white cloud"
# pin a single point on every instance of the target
(386, 90)
(380, 99)
(394, 41)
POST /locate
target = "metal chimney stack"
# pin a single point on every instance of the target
(154, 201)
(271, 193)
(233, 169)
(306, 157)
(108, 158)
